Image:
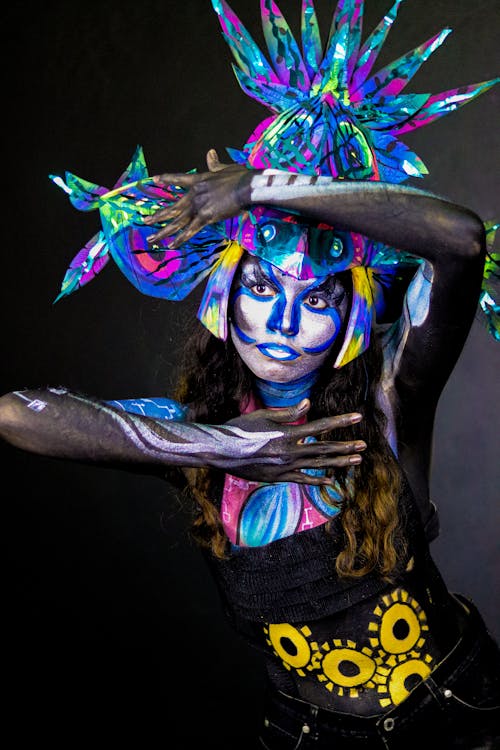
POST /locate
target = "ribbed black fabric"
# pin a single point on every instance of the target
(294, 579)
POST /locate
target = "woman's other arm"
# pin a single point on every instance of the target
(261, 446)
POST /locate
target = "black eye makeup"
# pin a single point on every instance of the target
(253, 277)
(330, 292)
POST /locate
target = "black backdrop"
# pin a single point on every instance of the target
(105, 597)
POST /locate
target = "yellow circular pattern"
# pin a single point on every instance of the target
(362, 666)
(281, 636)
(396, 614)
(400, 674)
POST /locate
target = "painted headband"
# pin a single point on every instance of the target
(329, 117)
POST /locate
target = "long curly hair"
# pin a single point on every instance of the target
(215, 382)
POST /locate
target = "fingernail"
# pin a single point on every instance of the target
(151, 238)
(359, 446)
(147, 219)
(355, 417)
(355, 460)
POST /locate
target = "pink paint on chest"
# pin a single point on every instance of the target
(237, 491)
(234, 496)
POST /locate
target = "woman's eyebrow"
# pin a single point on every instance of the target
(255, 274)
(328, 286)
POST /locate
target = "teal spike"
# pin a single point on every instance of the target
(78, 184)
(283, 49)
(136, 170)
(331, 76)
(337, 14)
(245, 51)
(392, 79)
(58, 180)
(277, 98)
(442, 104)
(84, 195)
(341, 51)
(371, 48)
(311, 38)
(491, 228)
(491, 310)
(348, 14)
(490, 287)
(398, 110)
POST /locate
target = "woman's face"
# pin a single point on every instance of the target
(284, 328)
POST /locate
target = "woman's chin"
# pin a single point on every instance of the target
(281, 372)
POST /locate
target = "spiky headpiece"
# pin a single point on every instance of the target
(330, 116)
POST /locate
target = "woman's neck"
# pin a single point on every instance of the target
(285, 394)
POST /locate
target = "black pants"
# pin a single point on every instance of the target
(457, 706)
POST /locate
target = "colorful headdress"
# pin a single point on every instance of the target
(330, 116)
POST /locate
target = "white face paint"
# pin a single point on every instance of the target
(284, 328)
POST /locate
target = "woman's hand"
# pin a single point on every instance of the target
(285, 455)
(220, 193)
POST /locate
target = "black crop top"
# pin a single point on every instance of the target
(347, 644)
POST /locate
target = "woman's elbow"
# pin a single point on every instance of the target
(12, 427)
(474, 236)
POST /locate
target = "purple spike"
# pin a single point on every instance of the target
(283, 49)
(86, 264)
(372, 46)
(311, 38)
(442, 104)
(245, 51)
(392, 79)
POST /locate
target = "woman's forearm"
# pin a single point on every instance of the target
(403, 217)
(55, 422)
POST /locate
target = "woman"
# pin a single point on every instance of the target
(305, 436)
(362, 638)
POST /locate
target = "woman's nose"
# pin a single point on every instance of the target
(284, 318)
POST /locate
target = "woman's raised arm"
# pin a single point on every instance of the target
(441, 304)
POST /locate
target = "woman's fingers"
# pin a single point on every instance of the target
(193, 228)
(316, 427)
(299, 477)
(284, 415)
(176, 178)
(175, 226)
(182, 206)
(327, 462)
(326, 449)
(213, 163)
(325, 424)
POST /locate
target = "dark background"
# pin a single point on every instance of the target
(109, 612)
